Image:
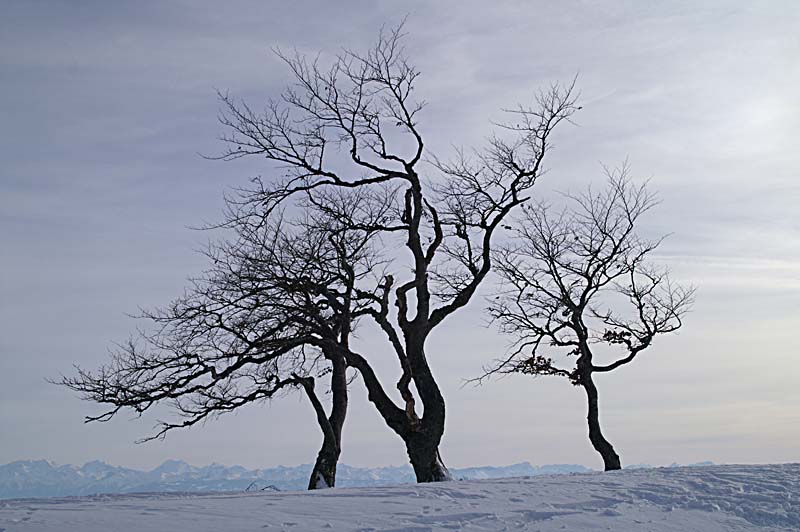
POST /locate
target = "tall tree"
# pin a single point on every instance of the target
(577, 284)
(354, 124)
(276, 308)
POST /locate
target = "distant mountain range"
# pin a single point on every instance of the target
(42, 478)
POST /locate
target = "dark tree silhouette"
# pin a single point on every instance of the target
(354, 124)
(276, 308)
(577, 283)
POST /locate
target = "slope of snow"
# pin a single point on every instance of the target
(709, 499)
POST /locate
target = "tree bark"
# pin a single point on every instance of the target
(423, 453)
(611, 459)
(323, 475)
(422, 443)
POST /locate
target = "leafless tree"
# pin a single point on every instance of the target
(577, 284)
(275, 309)
(354, 124)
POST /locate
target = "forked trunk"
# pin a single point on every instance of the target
(611, 459)
(421, 435)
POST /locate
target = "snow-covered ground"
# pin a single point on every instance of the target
(708, 499)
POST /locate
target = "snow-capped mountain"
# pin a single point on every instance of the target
(42, 478)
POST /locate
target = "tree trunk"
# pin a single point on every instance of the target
(610, 457)
(422, 442)
(324, 473)
(421, 436)
(425, 458)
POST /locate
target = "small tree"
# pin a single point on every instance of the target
(276, 308)
(354, 125)
(577, 282)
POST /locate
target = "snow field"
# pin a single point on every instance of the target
(709, 499)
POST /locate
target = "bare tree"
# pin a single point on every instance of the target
(276, 309)
(577, 284)
(354, 124)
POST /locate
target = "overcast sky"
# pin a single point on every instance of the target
(104, 107)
